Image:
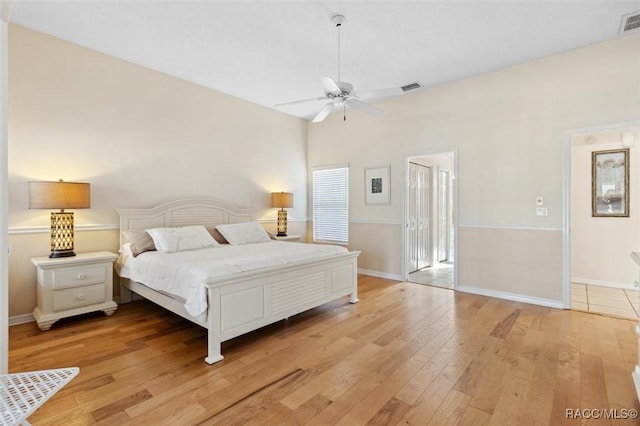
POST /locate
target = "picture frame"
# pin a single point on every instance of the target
(377, 185)
(610, 183)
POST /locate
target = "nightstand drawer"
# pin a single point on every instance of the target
(79, 275)
(76, 297)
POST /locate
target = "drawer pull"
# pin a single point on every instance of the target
(80, 296)
(81, 276)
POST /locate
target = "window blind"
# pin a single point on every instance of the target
(331, 204)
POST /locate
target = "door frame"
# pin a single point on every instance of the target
(454, 205)
(566, 200)
(447, 234)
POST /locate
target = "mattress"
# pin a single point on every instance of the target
(184, 274)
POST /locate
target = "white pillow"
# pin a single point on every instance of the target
(170, 240)
(243, 233)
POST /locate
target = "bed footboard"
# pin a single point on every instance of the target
(252, 300)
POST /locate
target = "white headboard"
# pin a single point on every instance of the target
(188, 211)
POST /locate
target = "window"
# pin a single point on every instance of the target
(331, 204)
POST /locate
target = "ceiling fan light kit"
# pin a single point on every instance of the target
(341, 94)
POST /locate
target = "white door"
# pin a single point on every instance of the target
(444, 213)
(418, 255)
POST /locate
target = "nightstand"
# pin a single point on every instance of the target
(75, 285)
(288, 238)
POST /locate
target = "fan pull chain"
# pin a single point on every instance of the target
(344, 112)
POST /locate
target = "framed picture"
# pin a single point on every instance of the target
(610, 183)
(376, 181)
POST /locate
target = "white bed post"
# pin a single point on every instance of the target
(353, 297)
(214, 317)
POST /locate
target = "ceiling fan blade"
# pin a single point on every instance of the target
(323, 112)
(330, 86)
(377, 94)
(369, 109)
(300, 101)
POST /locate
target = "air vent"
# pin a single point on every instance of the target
(630, 22)
(411, 86)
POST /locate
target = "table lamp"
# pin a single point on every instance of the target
(60, 195)
(282, 201)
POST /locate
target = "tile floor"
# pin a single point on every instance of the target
(439, 275)
(605, 300)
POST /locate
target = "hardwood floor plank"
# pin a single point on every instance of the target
(593, 387)
(375, 390)
(304, 413)
(184, 389)
(120, 405)
(619, 385)
(178, 414)
(390, 413)
(429, 402)
(474, 417)
(502, 329)
(452, 409)
(406, 354)
(566, 392)
(332, 381)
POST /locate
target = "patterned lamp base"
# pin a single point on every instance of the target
(61, 234)
(282, 223)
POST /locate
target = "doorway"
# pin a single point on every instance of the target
(429, 220)
(602, 273)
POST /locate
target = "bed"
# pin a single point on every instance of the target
(244, 301)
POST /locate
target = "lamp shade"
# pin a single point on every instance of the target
(281, 200)
(59, 195)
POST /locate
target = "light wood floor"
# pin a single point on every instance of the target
(406, 354)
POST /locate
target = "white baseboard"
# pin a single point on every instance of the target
(626, 286)
(511, 296)
(21, 319)
(379, 274)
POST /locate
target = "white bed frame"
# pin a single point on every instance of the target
(242, 302)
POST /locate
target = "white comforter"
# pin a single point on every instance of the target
(185, 273)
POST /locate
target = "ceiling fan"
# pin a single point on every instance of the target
(340, 94)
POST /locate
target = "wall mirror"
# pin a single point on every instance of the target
(610, 183)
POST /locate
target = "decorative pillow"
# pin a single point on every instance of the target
(170, 240)
(139, 241)
(243, 233)
(216, 235)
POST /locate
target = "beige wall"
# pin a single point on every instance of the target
(600, 246)
(377, 256)
(140, 138)
(508, 130)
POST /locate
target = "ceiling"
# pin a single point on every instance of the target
(270, 52)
